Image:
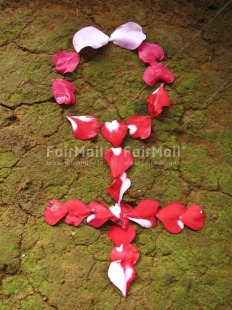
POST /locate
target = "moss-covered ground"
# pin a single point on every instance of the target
(64, 267)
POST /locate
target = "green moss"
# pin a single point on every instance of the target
(169, 187)
(15, 98)
(146, 243)
(4, 172)
(29, 70)
(102, 249)
(225, 145)
(177, 111)
(9, 258)
(11, 27)
(208, 135)
(218, 213)
(187, 85)
(35, 303)
(195, 121)
(85, 235)
(171, 125)
(185, 65)
(44, 118)
(100, 67)
(225, 180)
(7, 159)
(212, 178)
(143, 175)
(90, 185)
(17, 286)
(195, 163)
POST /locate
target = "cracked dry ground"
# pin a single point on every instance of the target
(64, 267)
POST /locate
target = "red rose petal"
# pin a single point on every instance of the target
(84, 127)
(54, 212)
(144, 213)
(157, 100)
(119, 186)
(119, 236)
(100, 214)
(126, 253)
(77, 212)
(157, 72)
(121, 274)
(194, 217)
(119, 160)
(169, 216)
(66, 61)
(139, 126)
(63, 91)
(118, 212)
(150, 53)
(114, 132)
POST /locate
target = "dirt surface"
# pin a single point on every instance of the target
(63, 267)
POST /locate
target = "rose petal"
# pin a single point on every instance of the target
(54, 212)
(100, 214)
(114, 132)
(89, 36)
(84, 127)
(169, 216)
(144, 213)
(129, 36)
(119, 236)
(121, 275)
(139, 126)
(119, 186)
(66, 61)
(194, 217)
(119, 160)
(127, 253)
(118, 212)
(157, 72)
(77, 212)
(150, 53)
(157, 100)
(63, 91)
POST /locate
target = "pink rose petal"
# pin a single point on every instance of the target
(77, 212)
(66, 61)
(119, 160)
(129, 36)
(194, 217)
(127, 253)
(157, 100)
(63, 91)
(169, 216)
(121, 274)
(100, 214)
(114, 132)
(144, 213)
(84, 127)
(89, 36)
(150, 53)
(119, 186)
(139, 126)
(118, 212)
(157, 72)
(119, 236)
(54, 212)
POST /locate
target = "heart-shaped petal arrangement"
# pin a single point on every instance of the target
(174, 216)
(114, 132)
(119, 160)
